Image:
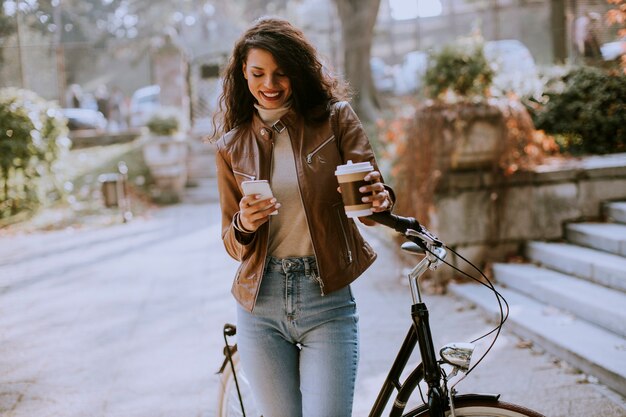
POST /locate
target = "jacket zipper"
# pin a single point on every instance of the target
(345, 238)
(251, 177)
(269, 222)
(318, 278)
(309, 157)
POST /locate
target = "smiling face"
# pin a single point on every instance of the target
(266, 81)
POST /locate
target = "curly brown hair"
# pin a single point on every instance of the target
(314, 88)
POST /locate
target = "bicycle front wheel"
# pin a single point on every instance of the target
(480, 407)
(228, 398)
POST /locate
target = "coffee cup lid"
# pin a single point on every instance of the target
(351, 168)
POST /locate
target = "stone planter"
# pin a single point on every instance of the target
(477, 146)
(452, 150)
(465, 135)
(442, 138)
(166, 158)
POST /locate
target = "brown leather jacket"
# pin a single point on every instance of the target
(245, 153)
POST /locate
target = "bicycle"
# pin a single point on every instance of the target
(441, 401)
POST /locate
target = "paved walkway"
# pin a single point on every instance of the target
(126, 322)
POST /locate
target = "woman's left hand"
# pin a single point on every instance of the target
(376, 193)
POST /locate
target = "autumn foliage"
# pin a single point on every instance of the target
(617, 16)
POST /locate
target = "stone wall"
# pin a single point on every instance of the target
(169, 66)
(488, 218)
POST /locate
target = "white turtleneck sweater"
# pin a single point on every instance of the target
(289, 231)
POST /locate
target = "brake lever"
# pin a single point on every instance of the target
(425, 235)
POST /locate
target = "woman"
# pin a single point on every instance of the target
(297, 320)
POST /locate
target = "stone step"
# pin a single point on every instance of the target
(201, 161)
(589, 348)
(608, 237)
(204, 191)
(199, 146)
(616, 211)
(594, 303)
(597, 266)
(201, 168)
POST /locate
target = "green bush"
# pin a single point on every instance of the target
(589, 115)
(32, 134)
(460, 70)
(164, 123)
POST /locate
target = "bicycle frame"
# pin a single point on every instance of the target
(230, 330)
(393, 379)
(419, 333)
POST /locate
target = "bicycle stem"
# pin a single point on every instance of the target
(419, 314)
(431, 260)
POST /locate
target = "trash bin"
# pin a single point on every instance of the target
(112, 189)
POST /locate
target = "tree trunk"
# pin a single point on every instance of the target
(559, 34)
(358, 18)
(4, 177)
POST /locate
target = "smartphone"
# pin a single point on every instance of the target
(261, 187)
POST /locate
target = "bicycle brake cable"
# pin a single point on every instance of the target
(499, 297)
(402, 224)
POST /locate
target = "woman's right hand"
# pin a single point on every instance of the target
(253, 211)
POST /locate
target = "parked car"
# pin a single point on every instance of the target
(382, 74)
(143, 103)
(84, 119)
(409, 74)
(514, 66)
(613, 50)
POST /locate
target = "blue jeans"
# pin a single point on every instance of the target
(299, 349)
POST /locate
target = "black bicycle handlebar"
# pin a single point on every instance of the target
(398, 223)
(402, 224)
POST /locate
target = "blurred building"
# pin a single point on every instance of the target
(546, 27)
(37, 61)
(29, 63)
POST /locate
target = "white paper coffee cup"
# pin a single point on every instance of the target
(350, 177)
